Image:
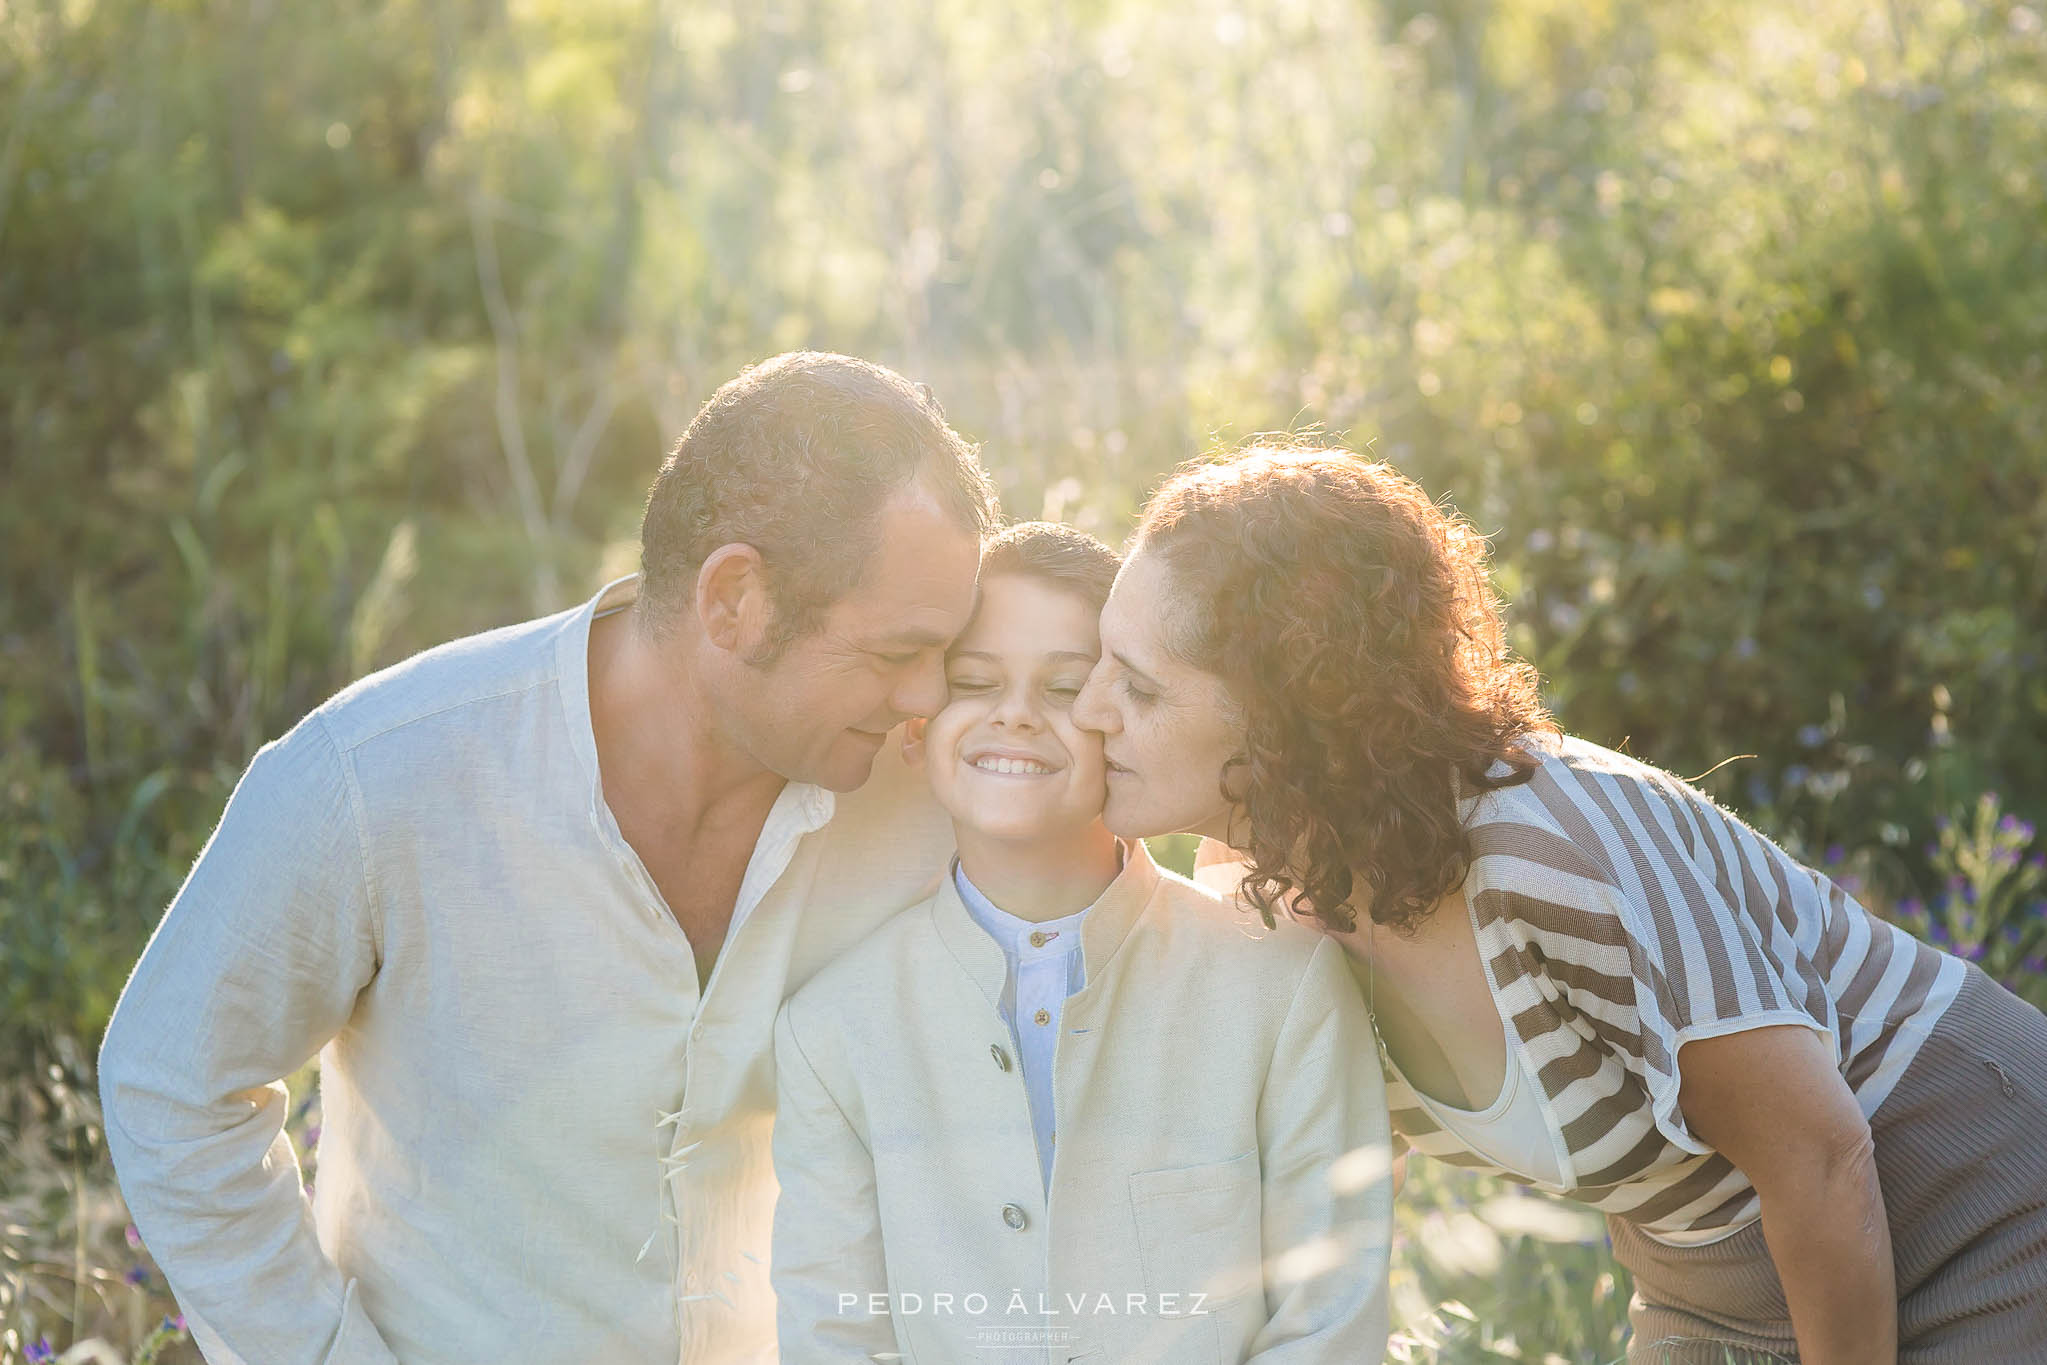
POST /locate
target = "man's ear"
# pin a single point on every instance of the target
(733, 601)
(913, 743)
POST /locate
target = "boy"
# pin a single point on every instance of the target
(1204, 1113)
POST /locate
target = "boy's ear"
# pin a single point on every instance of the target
(913, 743)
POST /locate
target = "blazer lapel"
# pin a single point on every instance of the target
(978, 955)
(1109, 919)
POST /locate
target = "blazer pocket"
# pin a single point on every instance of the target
(1199, 1231)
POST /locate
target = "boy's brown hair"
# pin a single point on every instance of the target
(1063, 556)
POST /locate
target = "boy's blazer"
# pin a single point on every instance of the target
(1219, 1184)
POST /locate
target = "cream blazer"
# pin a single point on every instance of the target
(1219, 1186)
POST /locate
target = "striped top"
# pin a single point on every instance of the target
(1621, 914)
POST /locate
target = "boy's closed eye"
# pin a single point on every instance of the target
(1062, 690)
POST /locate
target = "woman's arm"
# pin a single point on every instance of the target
(1773, 1101)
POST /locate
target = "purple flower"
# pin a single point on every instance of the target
(136, 1275)
(2036, 965)
(1972, 951)
(1835, 853)
(1938, 933)
(134, 1236)
(40, 1352)
(312, 1137)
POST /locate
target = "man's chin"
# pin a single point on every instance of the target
(848, 768)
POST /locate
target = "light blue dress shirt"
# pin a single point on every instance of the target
(1045, 967)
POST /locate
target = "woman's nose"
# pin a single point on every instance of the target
(1091, 710)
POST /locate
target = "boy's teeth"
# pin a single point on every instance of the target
(1010, 765)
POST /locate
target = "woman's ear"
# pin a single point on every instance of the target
(913, 743)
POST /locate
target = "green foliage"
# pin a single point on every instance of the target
(1991, 906)
(1485, 1271)
(334, 331)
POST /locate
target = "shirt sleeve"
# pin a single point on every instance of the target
(256, 964)
(828, 1261)
(1649, 936)
(1697, 929)
(1326, 1162)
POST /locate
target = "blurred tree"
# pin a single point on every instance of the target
(333, 332)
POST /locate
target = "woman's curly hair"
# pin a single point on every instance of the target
(1354, 623)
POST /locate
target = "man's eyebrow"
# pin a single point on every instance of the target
(1118, 657)
(917, 638)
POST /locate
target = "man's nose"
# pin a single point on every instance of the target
(922, 692)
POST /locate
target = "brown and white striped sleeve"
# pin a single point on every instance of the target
(1632, 889)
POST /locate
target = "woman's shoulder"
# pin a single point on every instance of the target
(1544, 820)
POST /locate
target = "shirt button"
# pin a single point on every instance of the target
(1040, 938)
(1001, 1057)
(1015, 1217)
(1042, 1018)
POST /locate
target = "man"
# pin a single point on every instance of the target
(534, 897)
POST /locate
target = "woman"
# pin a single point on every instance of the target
(1811, 1134)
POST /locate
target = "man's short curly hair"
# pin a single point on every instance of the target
(1354, 623)
(796, 457)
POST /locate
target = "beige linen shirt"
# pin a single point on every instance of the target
(1219, 1184)
(540, 1141)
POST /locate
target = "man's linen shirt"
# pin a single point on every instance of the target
(541, 1142)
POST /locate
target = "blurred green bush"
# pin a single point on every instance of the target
(329, 332)
(335, 332)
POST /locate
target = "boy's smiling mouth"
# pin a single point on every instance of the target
(1009, 764)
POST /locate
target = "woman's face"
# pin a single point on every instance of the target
(1167, 727)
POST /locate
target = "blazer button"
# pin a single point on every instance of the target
(1014, 1215)
(1001, 1057)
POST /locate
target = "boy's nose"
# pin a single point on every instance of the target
(1016, 712)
